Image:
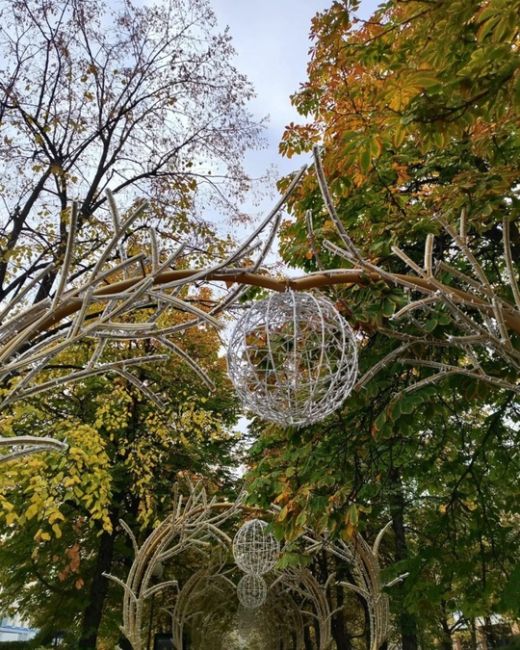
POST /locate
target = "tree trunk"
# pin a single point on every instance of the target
(446, 641)
(473, 635)
(447, 637)
(98, 591)
(339, 631)
(407, 621)
(309, 645)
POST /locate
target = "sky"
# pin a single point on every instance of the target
(271, 38)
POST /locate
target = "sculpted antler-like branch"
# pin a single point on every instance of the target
(195, 520)
(102, 309)
(486, 321)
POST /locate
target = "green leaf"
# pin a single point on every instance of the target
(365, 159)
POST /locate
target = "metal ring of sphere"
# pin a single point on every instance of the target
(292, 358)
(252, 591)
(255, 550)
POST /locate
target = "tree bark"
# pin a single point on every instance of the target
(473, 635)
(447, 636)
(407, 621)
(98, 591)
(339, 631)
(446, 641)
(309, 645)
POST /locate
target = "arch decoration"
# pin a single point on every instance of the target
(207, 605)
(295, 596)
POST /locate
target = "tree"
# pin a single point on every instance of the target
(417, 110)
(61, 512)
(141, 100)
(405, 155)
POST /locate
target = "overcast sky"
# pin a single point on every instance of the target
(272, 42)
(271, 38)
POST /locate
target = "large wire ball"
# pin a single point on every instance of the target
(293, 358)
(252, 591)
(255, 550)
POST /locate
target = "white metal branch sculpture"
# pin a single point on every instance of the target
(196, 524)
(195, 521)
(103, 309)
(314, 605)
(365, 571)
(485, 321)
(205, 613)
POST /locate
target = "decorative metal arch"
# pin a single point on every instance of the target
(363, 561)
(102, 308)
(281, 614)
(196, 521)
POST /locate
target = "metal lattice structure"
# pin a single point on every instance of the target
(101, 306)
(293, 358)
(255, 549)
(252, 591)
(204, 611)
(277, 625)
(204, 606)
(366, 581)
(195, 521)
(300, 585)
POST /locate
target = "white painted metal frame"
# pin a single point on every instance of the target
(293, 358)
(254, 548)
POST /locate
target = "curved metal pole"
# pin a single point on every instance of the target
(26, 445)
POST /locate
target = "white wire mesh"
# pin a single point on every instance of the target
(252, 591)
(293, 358)
(255, 550)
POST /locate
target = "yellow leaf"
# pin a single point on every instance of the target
(283, 514)
(376, 146)
(31, 511)
(54, 516)
(11, 518)
(348, 532)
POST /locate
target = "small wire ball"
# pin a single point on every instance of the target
(252, 591)
(292, 358)
(254, 549)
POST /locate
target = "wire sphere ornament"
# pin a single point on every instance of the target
(252, 591)
(255, 550)
(293, 358)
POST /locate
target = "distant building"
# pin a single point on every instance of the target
(491, 632)
(15, 630)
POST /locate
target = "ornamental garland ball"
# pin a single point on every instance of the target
(252, 591)
(255, 550)
(292, 358)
